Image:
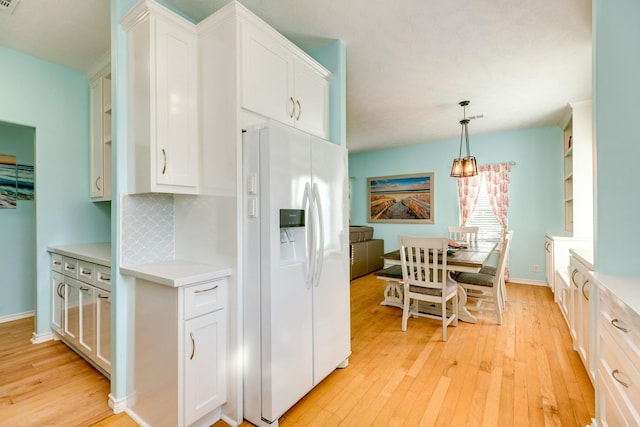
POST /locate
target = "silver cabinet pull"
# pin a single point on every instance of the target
(584, 285)
(57, 263)
(85, 272)
(573, 277)
(59, 290)
(615, 374)
(299, 109)
(164, 167)
(193, 345)
(70, 267)
(200, 291)
(98, 184)
(83, 289)
(293, 107)
(616, 323)
(103, 296)
(104, 278)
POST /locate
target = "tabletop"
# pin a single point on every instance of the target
(472, 257)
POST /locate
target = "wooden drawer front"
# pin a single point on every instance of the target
(204, 298)
(56, 262)
(621, 323)
(70, 267)
(619, 372)
(102, 277)
(86, 272)
(612, 412)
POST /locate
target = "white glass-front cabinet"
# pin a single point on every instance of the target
(163, 101)
(100, 93)
(280, 82)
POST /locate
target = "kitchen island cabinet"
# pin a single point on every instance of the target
(180, 343)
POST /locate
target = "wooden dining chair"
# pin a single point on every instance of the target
(425, 279)
(464, 234)
(484, 288)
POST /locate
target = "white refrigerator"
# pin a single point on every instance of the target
(296, 267)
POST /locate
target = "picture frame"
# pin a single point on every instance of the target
(402, 198)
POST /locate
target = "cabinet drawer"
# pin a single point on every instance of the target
(622, 324)
(618, 374)
(86, 272)
(204, 298)
(70, 267)
(56, 262)
(102, 277)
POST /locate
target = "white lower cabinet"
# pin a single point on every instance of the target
(179, 355)
(81, 308)
(618, 351)
(583, 319)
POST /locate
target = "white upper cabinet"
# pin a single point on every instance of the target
(100, 93)
(281, 82)
(163, 101)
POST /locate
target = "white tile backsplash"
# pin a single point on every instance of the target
(148, 231)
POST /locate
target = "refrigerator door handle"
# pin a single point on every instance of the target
(307, 204)
(319, 242)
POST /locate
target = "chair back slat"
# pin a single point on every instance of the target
(467, 234)
(424, 261)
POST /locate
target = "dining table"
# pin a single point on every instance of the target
(466, 257)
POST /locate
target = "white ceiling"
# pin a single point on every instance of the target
(409, 62)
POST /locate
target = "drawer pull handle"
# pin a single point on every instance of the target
(164, 167)
(573, 277)
(104, 278)
(70, 267)
(614, 374)
(200, 291)
(586, 296)
(85, 272)
(193, 346)
(615, 322)
(83, 289)
(56, 263)
(103, 296)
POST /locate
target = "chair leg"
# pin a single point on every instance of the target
(444, 319)
(405, 309)
(498, 303)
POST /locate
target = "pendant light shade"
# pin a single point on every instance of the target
(464, 166)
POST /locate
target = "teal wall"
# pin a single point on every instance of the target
(616, 90)
(18, 243)
(55, 101)
(334, 57)
(535, 192)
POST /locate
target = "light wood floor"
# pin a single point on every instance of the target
(523, 373)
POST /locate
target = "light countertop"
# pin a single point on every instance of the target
(177, 273)
(627, 289)
(97, 253)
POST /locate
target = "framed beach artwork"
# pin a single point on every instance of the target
(16, 182)
(401, 198)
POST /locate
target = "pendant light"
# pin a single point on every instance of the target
(464, 166)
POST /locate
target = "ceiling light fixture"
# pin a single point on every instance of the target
(464, 166)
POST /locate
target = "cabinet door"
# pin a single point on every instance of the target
(311, 100)
(204, 364)
(103, 329)
(176, 127)
(57, 301)
(71, 322)
(97, 178)
(267, 76)
(87, 318)
(550, 270)
(585, 330)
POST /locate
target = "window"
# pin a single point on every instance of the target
(483, 216)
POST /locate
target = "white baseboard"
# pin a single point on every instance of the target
(118, 405)
(232, 423)
(17, 316)
(516, 281)
(40, 338)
